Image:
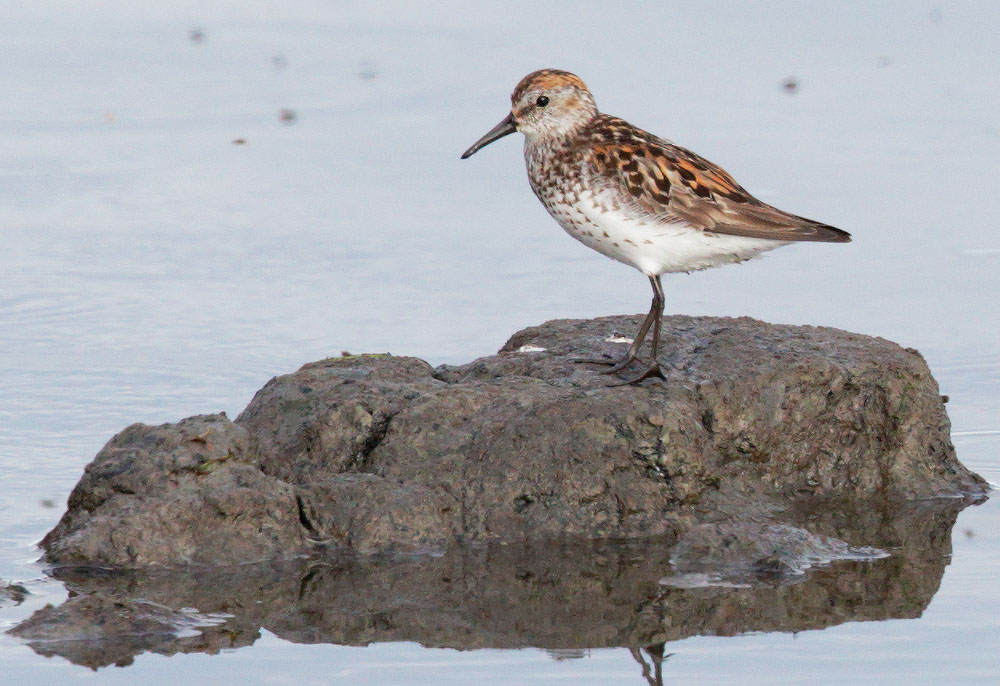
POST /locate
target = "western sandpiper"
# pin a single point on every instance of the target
(637, 198)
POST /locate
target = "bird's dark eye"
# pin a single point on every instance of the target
(542, 101)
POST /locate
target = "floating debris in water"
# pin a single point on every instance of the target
(287, 116)
(196, 36)
(790, 85)
(367, 72)
(239, 141)
(560, 654)
(48, 502)
(279, 62)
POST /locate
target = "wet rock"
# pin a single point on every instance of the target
(737, 552)
(374, 452)
(176, 494)
(567, 595)
(13, 594)
(98, 630)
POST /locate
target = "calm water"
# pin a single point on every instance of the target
(150, 268)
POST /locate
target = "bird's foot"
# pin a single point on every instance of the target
(653, 371)
(614, 366)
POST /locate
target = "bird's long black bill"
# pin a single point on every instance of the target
(502, 129)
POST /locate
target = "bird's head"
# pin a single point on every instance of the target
(546, 105)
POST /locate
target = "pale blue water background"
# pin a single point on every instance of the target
(150, 269)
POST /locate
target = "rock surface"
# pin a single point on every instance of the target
(374, 453)
(177, 494)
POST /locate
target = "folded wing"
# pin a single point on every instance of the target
(655, 180)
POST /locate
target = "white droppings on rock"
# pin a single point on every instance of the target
(531, 349)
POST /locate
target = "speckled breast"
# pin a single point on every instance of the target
(557, 181)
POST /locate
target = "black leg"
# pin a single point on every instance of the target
(658, 322)
(655, 313)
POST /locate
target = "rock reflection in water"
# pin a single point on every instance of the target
(564, 598)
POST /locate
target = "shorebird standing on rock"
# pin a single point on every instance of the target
(637, 198)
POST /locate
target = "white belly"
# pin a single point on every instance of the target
(654, 247)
